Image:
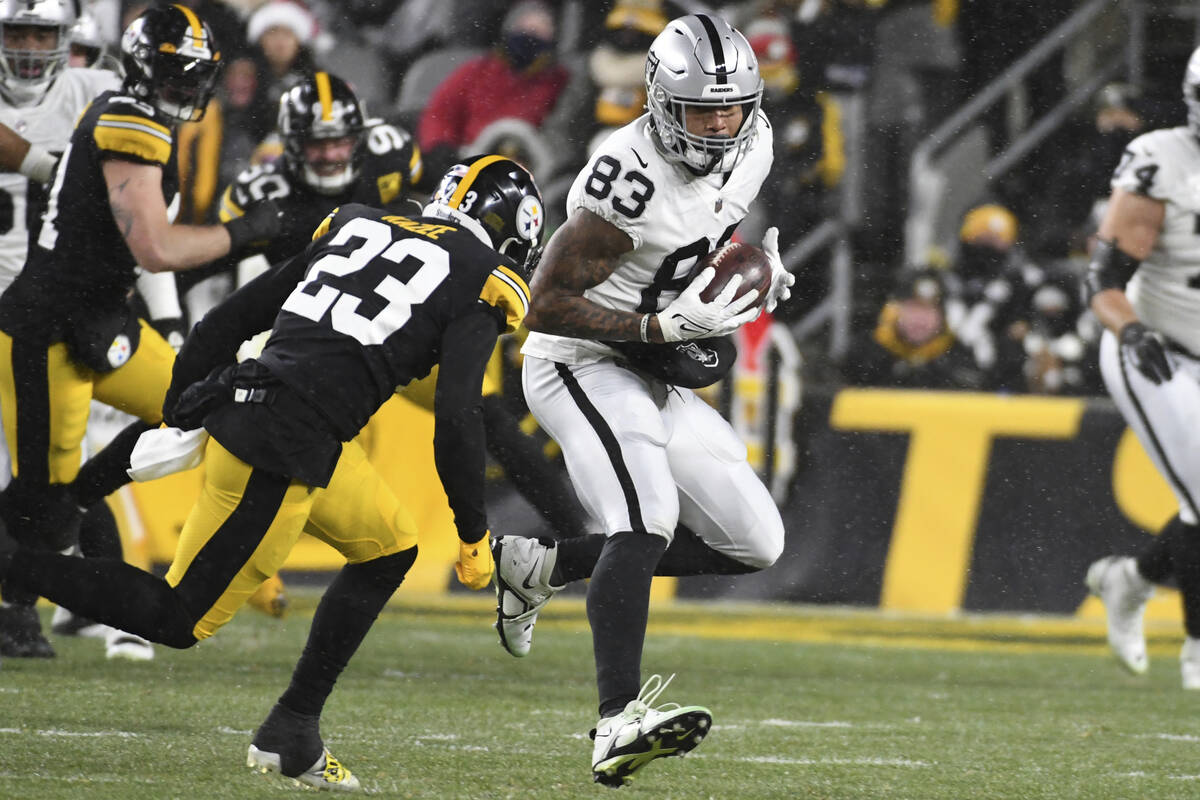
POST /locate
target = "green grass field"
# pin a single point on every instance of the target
(806, 704)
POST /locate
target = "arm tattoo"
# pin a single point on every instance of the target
(121, 213)
(581, 258)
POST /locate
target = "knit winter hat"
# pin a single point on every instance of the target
(285, 14)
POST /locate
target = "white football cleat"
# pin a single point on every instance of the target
(632, 739)
(326, 773)
(127, 646)
(1189, 663)
(1115, 580)
(523, 568)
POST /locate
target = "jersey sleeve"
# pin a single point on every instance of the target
(123, 131)
(1149, 167)
(614, 187)
(507, 292)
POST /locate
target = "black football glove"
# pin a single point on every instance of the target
(1146, 350)
(262, 222)
(200, 399)
(172, 329)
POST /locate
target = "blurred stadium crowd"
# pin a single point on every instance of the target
(852, 86)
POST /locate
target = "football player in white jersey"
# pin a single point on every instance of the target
(1144, 286)
(662, 475)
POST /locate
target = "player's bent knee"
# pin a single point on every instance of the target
(765, 548)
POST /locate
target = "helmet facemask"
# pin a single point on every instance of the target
(702, 154)
(700, 63)
(320, 111)
(182, 86)
(27, 74)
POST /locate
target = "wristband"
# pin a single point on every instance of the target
(644, 328)
(38, 165)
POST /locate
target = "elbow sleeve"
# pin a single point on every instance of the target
(1110, 268)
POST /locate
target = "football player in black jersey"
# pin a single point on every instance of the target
(374, 302)
(67, 330)
(334, 154)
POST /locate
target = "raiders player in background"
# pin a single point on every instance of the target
(1144, 286)
(661, 474)
(40, 99)
(374, 302)
(67, 330)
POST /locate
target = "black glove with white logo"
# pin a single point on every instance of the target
(261, 223)
(1146, 349)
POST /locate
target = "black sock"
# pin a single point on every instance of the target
(295, 738)
(1185, 556)
(1155, 563)
(577, 558)
(346, 612)
(105, 472)
(689, 555)
(618, 606)
(107, 591)
(98, 533)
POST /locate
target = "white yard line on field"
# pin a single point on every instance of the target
(804, 723)
(818, 762)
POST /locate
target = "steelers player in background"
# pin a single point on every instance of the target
(333, 153)
(67, 330)
(374, 302)
(41, 96)
(1143, 285)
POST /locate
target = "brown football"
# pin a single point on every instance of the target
(736, 258)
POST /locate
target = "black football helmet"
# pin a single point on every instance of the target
(323, 106)
(499, 196)
(171, 61)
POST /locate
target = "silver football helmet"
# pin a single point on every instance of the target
(26, 74)
(1191, 91)
(700, 62)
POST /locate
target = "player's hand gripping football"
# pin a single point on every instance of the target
(781, 279)
(689, 317)
(475, 566)
(1147, 350)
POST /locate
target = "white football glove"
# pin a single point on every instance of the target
(689, 317)
(781, 279)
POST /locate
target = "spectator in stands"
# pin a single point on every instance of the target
(280, 33)
(809, 149)
(989, 290)
(1060, 351)
(615, 93)
(911, 346)
(1091, 148)
(521, 78)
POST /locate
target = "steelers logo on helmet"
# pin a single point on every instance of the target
(530, 217)
(497, 199)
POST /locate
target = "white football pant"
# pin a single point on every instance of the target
(645, 458)
(1165, 418)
